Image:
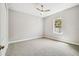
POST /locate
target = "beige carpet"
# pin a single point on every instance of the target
(42, 47)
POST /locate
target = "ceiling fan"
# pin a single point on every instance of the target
(42, 9)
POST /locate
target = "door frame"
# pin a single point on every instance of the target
(4, 28)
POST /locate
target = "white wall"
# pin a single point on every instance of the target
(24, 26)
(70, 26)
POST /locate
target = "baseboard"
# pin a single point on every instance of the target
(73, 43)
(11, 42)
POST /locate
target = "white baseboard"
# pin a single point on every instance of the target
(11, 42)
(64, 41)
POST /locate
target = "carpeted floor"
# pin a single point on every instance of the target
(42, 47)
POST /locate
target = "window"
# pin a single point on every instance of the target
(57, 28)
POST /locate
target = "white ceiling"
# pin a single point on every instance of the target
(30, 8)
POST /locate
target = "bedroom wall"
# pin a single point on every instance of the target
(24, 26)
(70, 31)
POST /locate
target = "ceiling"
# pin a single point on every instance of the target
(30, 8)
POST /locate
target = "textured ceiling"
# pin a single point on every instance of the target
(30, 8)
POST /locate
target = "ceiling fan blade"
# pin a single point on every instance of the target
(43, 10)
(46, 10)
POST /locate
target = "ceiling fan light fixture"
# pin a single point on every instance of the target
(42, 9)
